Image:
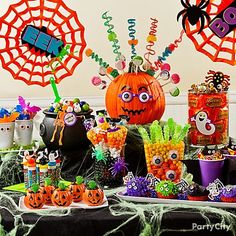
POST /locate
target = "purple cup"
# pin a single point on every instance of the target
(210, 170)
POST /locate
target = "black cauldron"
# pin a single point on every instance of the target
(74, 136)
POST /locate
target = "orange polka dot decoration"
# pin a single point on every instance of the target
(137, 95)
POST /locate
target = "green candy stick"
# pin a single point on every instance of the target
(159, 134)
(144, 134)
(55, 91)
(183, 133)
(154, 131)
(166, 133)
(176, 134)
(171, 123)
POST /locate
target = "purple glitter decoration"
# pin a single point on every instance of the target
(118, 167)
(229, 191)
(183, 196)
(138, 186)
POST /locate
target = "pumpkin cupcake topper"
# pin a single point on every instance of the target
(61, 197)
(93, 195)
(34, 198)
(77, 189)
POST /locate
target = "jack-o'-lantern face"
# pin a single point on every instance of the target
(137, 95)
(47, 192)
(93, 197)
(34, 200)
(77, 191)
(61, 198)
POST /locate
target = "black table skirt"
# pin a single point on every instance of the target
(100, 221)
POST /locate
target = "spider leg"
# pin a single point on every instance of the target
(183, 21)
(202, 23)
(211, 72)
(206, 15)
(203, 4)
(186, 4)
(180, 13)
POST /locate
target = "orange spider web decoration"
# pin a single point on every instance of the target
(208, 43)
(28, 64)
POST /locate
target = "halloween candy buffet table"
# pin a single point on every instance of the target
(120, 217)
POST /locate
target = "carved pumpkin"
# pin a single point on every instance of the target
(137, 95)
(47, 190)
(93, 195)
(61, 197)
(34, 198)
(77, 189)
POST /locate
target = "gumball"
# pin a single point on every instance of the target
(77, 107)
(96, 80)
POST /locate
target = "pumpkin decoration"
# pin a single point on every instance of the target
(61, 197)
(93, 195)
(137, 95)
(34, 198)
(77, 189)
(47, 190)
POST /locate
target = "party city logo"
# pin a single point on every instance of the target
(211, 227)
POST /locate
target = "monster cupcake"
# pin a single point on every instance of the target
(166, 189)
(197, 192)
(228, 193)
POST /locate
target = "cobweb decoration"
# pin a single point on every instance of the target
(151, 217)
(28, 65)
(206, 42)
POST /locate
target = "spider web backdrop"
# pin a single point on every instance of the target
(28, 65)
(217, 49)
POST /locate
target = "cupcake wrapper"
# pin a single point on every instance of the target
(228, 199)
(198, 198)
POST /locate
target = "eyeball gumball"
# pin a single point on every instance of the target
(77, 107)
(69, 109)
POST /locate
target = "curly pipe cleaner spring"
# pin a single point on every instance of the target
(151, 39)
(132, 42)
(168, 51)
(89, 53)
(112, 36)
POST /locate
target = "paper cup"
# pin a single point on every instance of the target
(210, 170)
(24, 130)
(6, 134)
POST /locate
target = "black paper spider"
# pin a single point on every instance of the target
(194, 13)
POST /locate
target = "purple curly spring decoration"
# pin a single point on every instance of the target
(138, 186)
(229, 191)
(118, 167)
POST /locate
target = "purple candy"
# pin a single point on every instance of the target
(229, 191)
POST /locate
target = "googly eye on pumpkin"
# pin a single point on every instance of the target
(157, 160)
(126, 96)
(144, 97)
(174, 155)
(171, 175)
